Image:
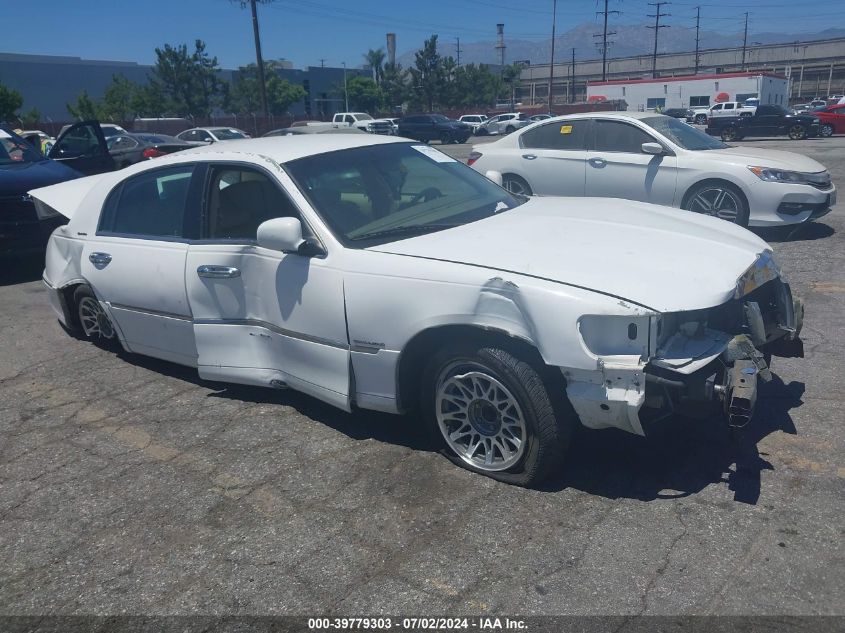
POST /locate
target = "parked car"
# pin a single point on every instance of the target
(38, 139)
(473, 120)
(818, 103)
(539, 117)
(22, 167)
(108, 129)
(767, 120)
(655, 158)
(359, 120)
(428, 127)
(675, 113)
(375, 273)
(308, 129)
(798, 108)
(83, 147)
(208, 135)
(128, 149)
(731, 109)
(698, 114)
(502, 124)
(831, 120)
(385, 126)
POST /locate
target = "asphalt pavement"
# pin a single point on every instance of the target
(128, 485)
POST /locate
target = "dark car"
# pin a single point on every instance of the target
(128, 149)
(428, 127)
(675, 113)
(23, 168)
(767, 120)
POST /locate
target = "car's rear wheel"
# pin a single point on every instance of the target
(826, 130)
(510, 129)
(728, 134)
(517, 185)
(700, 119)
(492, 413)
(445, 138)
(93, 321)
(720, 200)
(797, 132)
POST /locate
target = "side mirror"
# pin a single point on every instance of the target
(495, 176)
(281, 234)
(652, 148)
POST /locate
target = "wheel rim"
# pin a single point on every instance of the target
(827, 130)
(479, 418)
(516, 187)
(796, 131)
(93, 319)
(718, 202)
(728, 135)
(445, 139)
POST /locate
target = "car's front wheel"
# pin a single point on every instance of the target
(93, 321)
(517, 185)
(826, 130)
(728, 134)
(797, 132)
(493, 414)
(720, 200)
(701, 119)
(445, 138)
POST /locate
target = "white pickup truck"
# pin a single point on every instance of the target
(728, 108)
(360, 120)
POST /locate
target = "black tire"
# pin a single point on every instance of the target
(94, 325)
(728, 134)
(509, 129)
(700, 119)
(797, 132)
(826, 130)
(516, 185)
(548, 423)
(481, 132)
(740, 202)
(445, 138)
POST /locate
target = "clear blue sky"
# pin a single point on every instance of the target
(342, 30)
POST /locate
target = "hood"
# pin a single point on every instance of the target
(658, 257)
(16, 180)
(767, 158)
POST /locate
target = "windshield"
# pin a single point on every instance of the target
(363, 117)
(377, 194)
(683, 135)
(16, 151)
(227, 134)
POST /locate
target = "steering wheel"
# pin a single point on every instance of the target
(429, 193)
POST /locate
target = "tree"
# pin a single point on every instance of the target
(427, 74)
(375, 59)
(31, 118)
(244, 97)
(120, 100)
(394, 85)
(149, 100)
(364, 94)
(189, 82)
(85, 108)
(10, 102)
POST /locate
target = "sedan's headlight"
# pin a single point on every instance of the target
(770, 174)
(762, 271)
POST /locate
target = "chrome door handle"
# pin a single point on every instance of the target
(218, 272)
(529, 156)
(99, 259)
(597, 162)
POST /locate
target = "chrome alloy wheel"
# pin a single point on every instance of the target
(718, 202)
(93, 319)
(516, 186)
(479, 418)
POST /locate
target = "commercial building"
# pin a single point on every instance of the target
(692, 90)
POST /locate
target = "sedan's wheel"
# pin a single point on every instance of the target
(728, 134)
(826, 130)
(701, 119)
(493, 414)
(93, 320)
(445, 138)
(516, 185)
(719, 200)
(797, 132)
(510, 129)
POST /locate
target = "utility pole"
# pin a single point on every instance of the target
(657, 26)
(458, 49)
(345, 93)
(572, 83)
(258, 59)
(552, 60)
(604, 42)
(697, 22)
(322, 62)
(744, 40)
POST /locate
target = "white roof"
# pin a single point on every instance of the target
(610, 115)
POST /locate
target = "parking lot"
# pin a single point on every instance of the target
(128, 485)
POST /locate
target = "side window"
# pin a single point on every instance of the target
(238, 200)
(116, 143)
(152, 204)
(615, 136)
(729, 106)
(564, 135)
(766, 110)
(202, 135)
(716, 107)
(348, 119)
(81, 141)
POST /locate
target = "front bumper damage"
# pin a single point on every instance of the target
(704, 362)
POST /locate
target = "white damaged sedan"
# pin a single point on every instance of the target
(377, 273)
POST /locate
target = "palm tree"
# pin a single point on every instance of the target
(375, 59)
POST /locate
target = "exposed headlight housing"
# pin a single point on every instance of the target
(771, 174)
(763, 270)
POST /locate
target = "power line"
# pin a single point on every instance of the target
(657, 26)
(604, 41)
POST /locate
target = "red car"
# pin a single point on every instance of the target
(831, 120)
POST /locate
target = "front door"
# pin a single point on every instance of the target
(553, 158)
(136, 261)
(263, 317)
(617, 167)
(83, 147)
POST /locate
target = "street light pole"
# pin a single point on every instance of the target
(552, 60)
(258, 59)
(345, 93)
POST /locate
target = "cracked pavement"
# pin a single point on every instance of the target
(129, 486)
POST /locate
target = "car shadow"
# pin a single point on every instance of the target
(679, 456)
(19, 269)
(805, 232)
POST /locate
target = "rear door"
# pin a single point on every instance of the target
(553, 158)
(618, 168)
(83, 148)
(767, 120)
